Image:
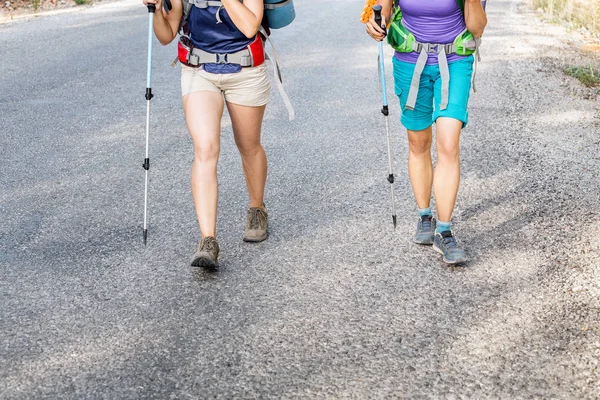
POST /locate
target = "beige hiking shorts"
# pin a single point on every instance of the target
(249, 87)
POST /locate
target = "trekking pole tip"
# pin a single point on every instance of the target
(145, 236)
(394, 220)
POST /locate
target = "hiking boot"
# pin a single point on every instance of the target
(207, 255)
(425, 230)
(445, 244)
(256, 225)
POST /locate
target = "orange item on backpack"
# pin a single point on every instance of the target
(367, 11)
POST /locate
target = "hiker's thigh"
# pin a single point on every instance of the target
(250, 87)
(461, 72)
(247, 123)
(420, 118)
(198, 80)
(203, 112)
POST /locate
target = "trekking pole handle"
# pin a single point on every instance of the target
(377, 11)
(151, 8)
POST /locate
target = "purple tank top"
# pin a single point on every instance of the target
(432, 21)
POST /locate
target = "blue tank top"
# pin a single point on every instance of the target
(222, 38)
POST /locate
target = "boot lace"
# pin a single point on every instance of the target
(449, 240)
(208, 245)
(257, 218)
(426, 222)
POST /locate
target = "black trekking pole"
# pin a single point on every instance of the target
(385, 112)
(149, 95)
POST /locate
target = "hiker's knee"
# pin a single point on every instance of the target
(206, 151)
(448, 150)
(419, 144)
(249, 148)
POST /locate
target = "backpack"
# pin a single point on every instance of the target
(277, 14)
(404, 41)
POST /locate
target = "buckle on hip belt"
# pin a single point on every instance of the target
(433, 48)
(193, 59)
(221, 59)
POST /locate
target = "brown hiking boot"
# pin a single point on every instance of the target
(256, 225)
(207, 255)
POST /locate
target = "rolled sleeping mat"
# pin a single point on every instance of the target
(279, 13)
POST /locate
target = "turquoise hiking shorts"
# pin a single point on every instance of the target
(427, 109)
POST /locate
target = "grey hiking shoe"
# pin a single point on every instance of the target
(256, 225)
(207, 255)
(445, 244)
(425, 230)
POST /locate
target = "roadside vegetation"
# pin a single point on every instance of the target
(588, 74)
(11, 8)
(577, 13)
(584, 16)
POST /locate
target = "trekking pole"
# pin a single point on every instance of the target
(149, 95)
(385, 112)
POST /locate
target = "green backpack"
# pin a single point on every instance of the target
(405, 42)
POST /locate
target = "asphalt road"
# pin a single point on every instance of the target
(336, 304)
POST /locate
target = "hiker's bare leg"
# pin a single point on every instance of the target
(420, 169)
(203, 112)
(447, 170)
(247, 123)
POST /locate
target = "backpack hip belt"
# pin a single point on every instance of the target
(442, 50)
(403, 41)
(251, 56)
